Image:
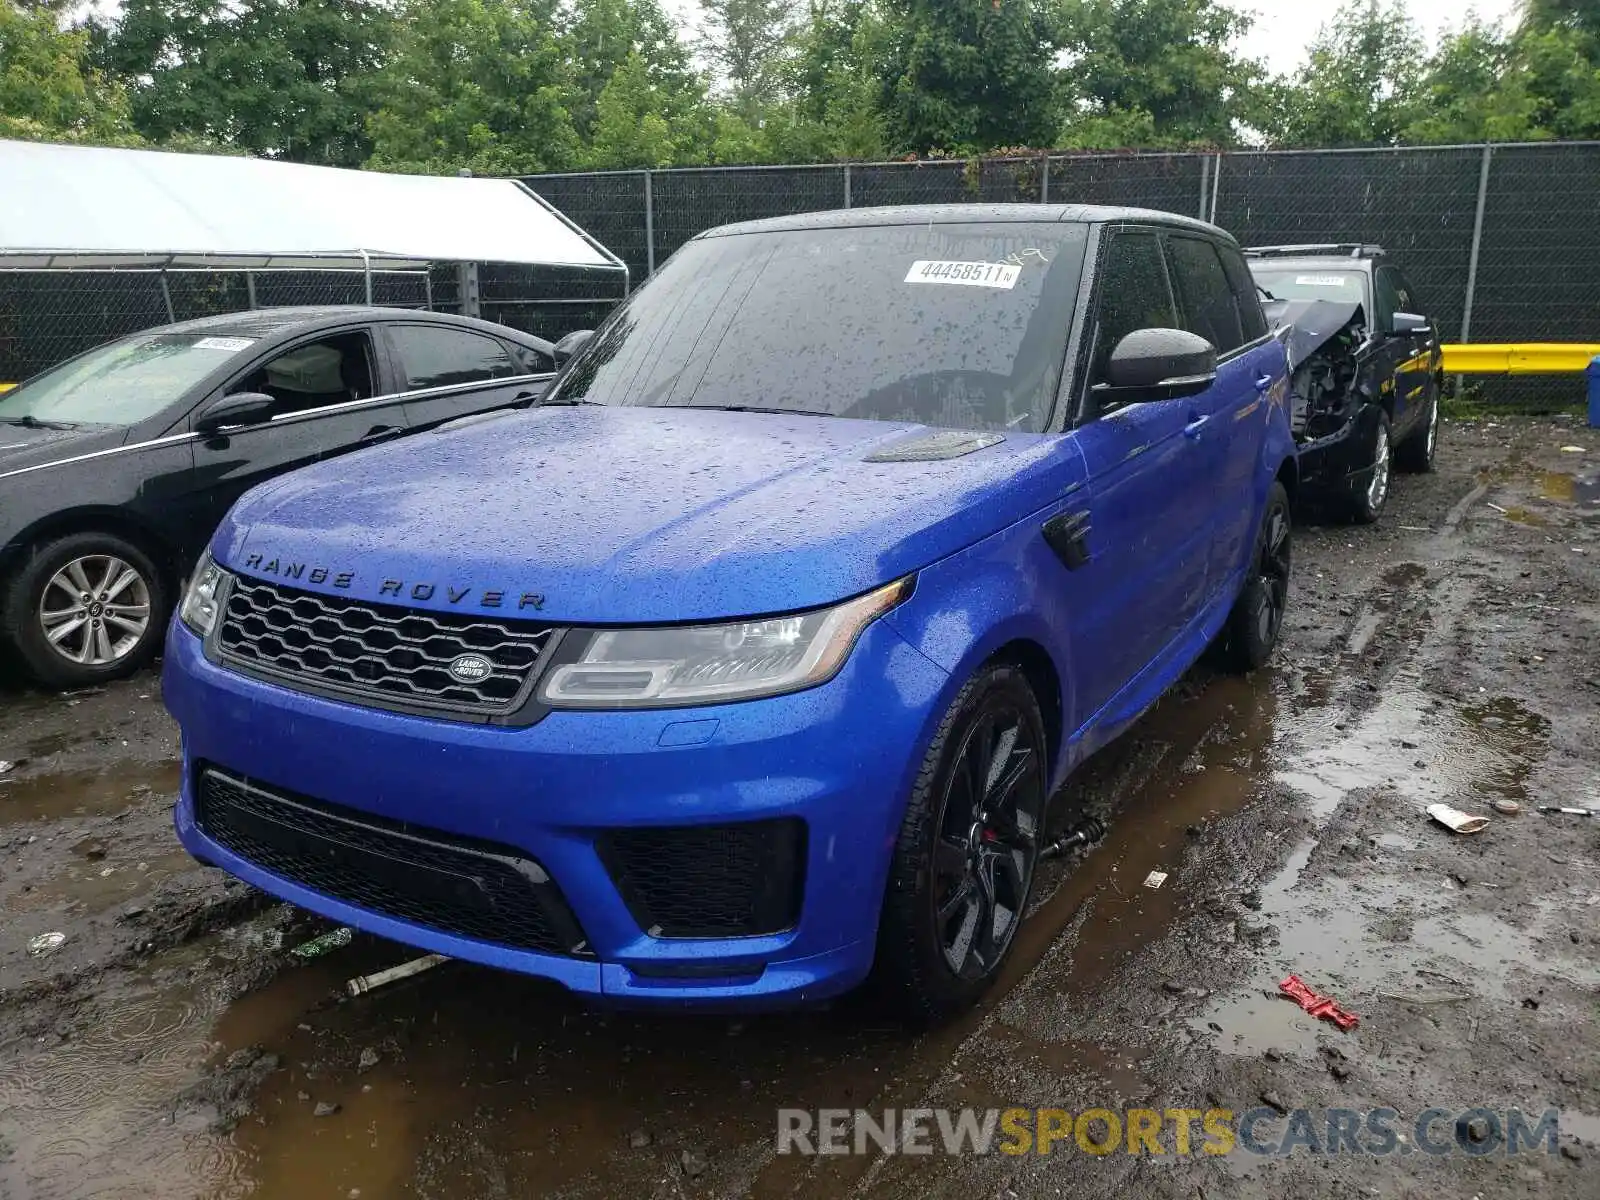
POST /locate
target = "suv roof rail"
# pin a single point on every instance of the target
(1352, 249)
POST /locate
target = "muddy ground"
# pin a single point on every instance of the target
(171, 1047)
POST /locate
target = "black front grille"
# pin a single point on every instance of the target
(695, 881)
(380, 652)
(455, 885)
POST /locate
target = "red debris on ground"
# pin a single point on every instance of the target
(1318, 1006)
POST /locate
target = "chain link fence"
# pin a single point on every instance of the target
(1500, 241)
(47, 317)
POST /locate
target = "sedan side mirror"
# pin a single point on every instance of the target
(570, 345)
(1405, 324)
(1157, 364)
(232, 412)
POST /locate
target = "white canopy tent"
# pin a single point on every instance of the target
(93, 207)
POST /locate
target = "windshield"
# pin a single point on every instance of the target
(959, 326)
(120, 384)
(1310, 283)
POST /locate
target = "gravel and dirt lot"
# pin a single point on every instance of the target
(172, 1047)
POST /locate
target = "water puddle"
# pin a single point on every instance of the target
(83, 793)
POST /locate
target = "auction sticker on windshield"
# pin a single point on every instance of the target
(1330, 281)
(224, 343)
(969, 274)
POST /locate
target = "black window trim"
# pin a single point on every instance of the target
(1083, 410)
(1172, 234)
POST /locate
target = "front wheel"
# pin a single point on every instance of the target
(1254, 623)
(964, 860)
(85, 608)
(1369, 487)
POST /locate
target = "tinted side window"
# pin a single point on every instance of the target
(530, 361)
(1252, 322)
(1388, 298)
(1406, 294)
(1133, 295)
(432, 357)
(1204, 294)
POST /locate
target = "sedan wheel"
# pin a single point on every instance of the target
(1369, 489)
(95, 610)
(83, 609)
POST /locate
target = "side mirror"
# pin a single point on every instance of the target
(232, 412)
(1158, 364)
(570, 345)
(1405, 324)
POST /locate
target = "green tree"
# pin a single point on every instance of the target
(637, 125)
(1556, 54)
(748, 42)
(832, 78)
(966, 75)
(602, 36)
(1472, 90)
(287, 79)
(474, 84)
(49, 89)
(1153, 73)
(1361, 82)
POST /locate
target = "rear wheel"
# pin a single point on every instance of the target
(1416, 452)
(1257, 617)
(1369, 488)
(85, 608)
(964, 861)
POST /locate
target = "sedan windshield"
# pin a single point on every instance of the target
(962, 326)
(120, 384)
(1309, 283)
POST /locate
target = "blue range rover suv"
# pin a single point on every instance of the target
(743, 666)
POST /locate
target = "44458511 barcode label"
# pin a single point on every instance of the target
(969, 274)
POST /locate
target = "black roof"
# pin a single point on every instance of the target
(951, 214)
(265, 322)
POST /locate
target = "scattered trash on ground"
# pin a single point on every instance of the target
(1456, 820)
(1571, 812)
(5, 766)
(367, 983)
(1506, 808)
(1572, 450)
(45, 943)
(1428, 997)
(1155, 879)
(1317, 1005)
(318, 946)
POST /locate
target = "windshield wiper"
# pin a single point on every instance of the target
(29, 421)
(564, 402)
(757, 408)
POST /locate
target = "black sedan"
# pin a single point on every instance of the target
(116, 466)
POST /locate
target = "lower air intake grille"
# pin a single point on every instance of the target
(701, 881)
(454, 885)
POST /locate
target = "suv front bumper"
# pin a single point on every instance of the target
(424, 814)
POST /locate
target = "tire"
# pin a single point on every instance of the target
(954, 871)
(71, 650)
(1415, 454)
(1370, 487)
(1256, 619)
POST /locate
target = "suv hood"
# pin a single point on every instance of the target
(613, 515)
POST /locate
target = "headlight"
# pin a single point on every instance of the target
(714, 664)
(199, 611)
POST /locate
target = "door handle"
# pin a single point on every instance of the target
(1195, 425)
(1263, 382)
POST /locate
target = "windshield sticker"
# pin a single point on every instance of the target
(224, 343)
(969, 274)
(1334, 281)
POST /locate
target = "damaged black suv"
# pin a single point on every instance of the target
(1365, 369)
